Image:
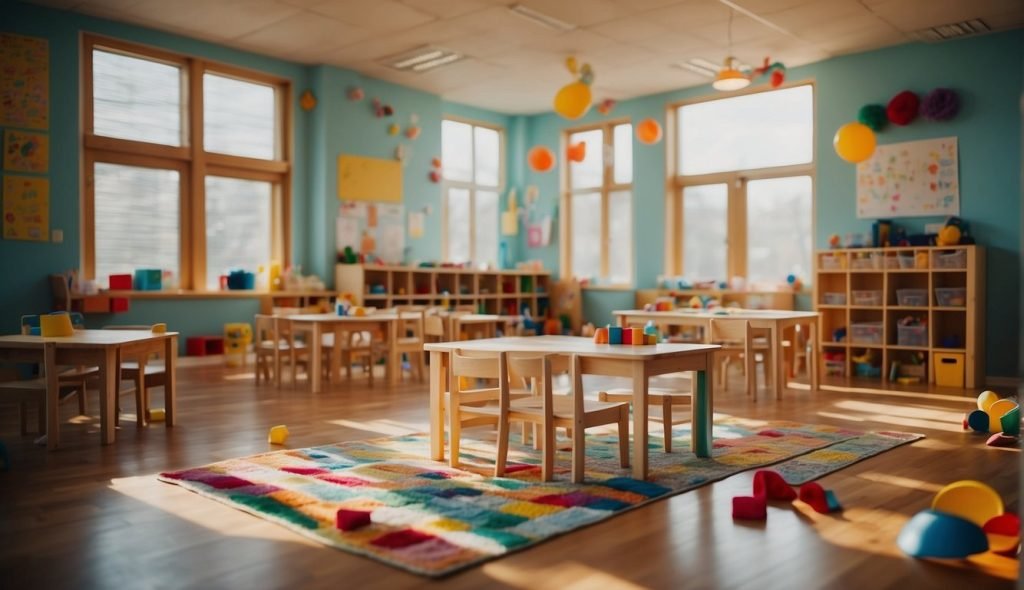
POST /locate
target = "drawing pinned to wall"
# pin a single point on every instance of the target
(375, 230)
(25, 151)
(538, 233)
(369, 179)
(915, 178)
(25, 83)
(417, 223)
(26, 208)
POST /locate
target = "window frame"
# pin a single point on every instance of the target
(190, 159)
(473, 187)
(608, 186)
(736, 185)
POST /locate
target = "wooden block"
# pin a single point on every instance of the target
(627, 336)
(636, 337)
(615, 335)
(96, 304)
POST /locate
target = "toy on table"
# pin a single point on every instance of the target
(966, 517)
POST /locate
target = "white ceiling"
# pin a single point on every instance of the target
(515, 66)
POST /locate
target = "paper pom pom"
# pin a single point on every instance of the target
(941, 104)
(903, 108)
(873, 115)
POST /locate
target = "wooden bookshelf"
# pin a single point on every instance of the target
(504, 292)
(745, 299)
(868, 292)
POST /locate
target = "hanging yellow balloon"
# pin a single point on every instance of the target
(570, 64)
(573, 100)
(854, 142)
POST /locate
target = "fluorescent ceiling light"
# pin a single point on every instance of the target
(422, 59)
(965, 28)
(541, 18)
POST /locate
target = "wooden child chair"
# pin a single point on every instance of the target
(469, 404)
(275, 343)
(143, 374)
(410, 340)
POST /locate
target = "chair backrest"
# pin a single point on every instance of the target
(491, 367)
(266, 328)
(433, 326)
(411, 319)
(527, 371)
(61, 292)
(731, 333)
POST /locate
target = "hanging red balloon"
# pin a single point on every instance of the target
(648, 131)
(576, 152)
(903, 107)
(540, 159)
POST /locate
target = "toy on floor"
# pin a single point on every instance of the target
(278, 435)
(156, 415)
(350, 520)
(821, 500)
(966, 517)
(769, 485)
(996, 416)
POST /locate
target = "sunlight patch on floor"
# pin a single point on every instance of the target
(966, 400)
(839, 416)
(925, 413)
(903, 482)
(240, 377)
(384, 427)
(569, 575)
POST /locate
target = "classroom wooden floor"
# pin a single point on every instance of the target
(92, 517)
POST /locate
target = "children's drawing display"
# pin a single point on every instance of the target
(915, 178)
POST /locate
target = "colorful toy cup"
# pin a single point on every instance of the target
(56, 324)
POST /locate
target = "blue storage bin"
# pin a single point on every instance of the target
(240, 279)
(148, 279)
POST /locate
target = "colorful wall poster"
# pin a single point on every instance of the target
(26, 151)
(26, 208)
(915, 178)
(375, 230)
(369, 179)
(24, 82)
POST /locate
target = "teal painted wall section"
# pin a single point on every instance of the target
(26, 264)
(988, 128)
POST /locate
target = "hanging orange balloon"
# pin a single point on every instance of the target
(648, 131)
(573, 100)
(540, 159)
(577, 152)
(854, 142)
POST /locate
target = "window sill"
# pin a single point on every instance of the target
(607, 288)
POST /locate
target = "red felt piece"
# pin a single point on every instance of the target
(813, 494)
(769, 484)
(1007, 525)
(749, 508)
(1001, 440)
(402, 538)
(350, 520)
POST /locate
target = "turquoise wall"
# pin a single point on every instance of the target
(987, 73)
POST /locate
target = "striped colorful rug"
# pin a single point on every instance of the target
(432, 520)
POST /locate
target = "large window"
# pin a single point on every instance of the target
(471, 155)
(742, 198)
(597, 217)
(187, 165)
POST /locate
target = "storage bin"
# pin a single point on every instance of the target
(949, 369)
(891, 262)
(835, 368)
(919, 371)
(912, 297)
(862, 264)
(906, 260)
(951, 296)
(912, 336)
(831, 262)
(866, 333)
(834, 299)
(867, 370)
(122, 282)
(949, 260)
(870, 297)
(877, 260)
(96, 304)
(148, 279)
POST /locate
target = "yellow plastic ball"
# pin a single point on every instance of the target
(573, 100)
(948, 236)
(986, 399)
(996, 411)
(854, 142)
(970, 500)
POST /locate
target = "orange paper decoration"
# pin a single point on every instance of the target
(540, 159)
(648, 131)
(576, 152)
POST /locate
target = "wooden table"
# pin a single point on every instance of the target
(490, 322)
(100, 348)
(636, 362)
(777, 321)
(317, 325)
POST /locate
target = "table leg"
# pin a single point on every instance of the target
(639, 420)
(52, 396)
(108, 387)
(702, 409)
(336, 357)
(437, 372)
(170, 380)
(315, 350)
(394, 358)
(812, 361)
(142, 396)
(623, 321)
(778, 378)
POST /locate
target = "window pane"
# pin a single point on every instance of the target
(137, 212)
(486, 220)
(623, 154)
(590, 172)
(238, 234)
(586, 235)
(136, 98)
(239, 118)
(487, 148)
(735, 133)
(620, 238)
(704, 232)
(779, 228)
(458, 225)
(457, 151)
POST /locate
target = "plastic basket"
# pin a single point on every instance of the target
(956, 259)
(951, 296)
(866, 333)
(912, 297)
(834, 299)
(912, 336)
(868, 298)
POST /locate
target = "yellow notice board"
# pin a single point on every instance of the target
(369, 179)
(26, 208)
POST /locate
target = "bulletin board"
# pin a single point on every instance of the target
(369, 179)
(914, 178)
(26, 208)
(372, 229)
(25, 83)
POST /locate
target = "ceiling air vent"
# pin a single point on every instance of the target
(965, 28)
(542, 19)
(422, 59)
